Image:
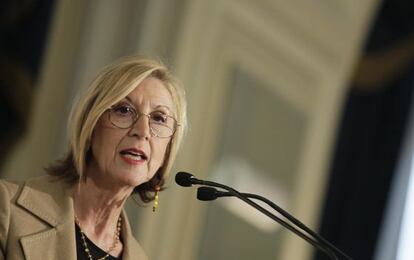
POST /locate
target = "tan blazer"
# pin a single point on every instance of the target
(37, 222)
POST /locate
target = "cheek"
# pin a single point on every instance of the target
(160, 149)
(104, 144)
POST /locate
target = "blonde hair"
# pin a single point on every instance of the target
(110, 86)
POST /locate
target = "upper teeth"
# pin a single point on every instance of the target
(132, 153)
(133, 156)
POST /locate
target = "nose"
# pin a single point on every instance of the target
(141, 127)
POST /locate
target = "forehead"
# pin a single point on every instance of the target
(151, 91)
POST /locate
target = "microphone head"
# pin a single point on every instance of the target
(206, 193)
(184, 179)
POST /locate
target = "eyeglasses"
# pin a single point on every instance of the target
(125, 116)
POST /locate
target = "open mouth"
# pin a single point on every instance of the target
(134, 154)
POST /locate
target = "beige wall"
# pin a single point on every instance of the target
(301, 52)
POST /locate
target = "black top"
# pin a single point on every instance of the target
(94, 250)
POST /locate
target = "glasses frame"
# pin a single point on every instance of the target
(137, 117)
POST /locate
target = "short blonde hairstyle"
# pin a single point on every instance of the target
(110, 86)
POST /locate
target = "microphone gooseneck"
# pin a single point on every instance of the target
(208, 193)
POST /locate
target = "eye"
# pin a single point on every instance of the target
(123, 110)
(159, 117)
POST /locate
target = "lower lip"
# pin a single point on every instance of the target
(132, 161)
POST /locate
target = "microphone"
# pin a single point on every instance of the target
(185, 179)
(207, 193)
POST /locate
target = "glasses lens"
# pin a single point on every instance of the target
(161, 124)
(122, 115)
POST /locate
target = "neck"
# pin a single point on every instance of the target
(98, 209)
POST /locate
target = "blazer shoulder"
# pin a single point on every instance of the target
(8, 189)
(8, 192)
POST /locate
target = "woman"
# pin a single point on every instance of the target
(124, 134)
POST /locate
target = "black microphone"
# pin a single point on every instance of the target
(208, 193)
(186, 180)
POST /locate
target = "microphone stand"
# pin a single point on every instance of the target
(283, 213)
(324, 248)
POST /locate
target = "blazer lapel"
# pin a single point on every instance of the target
(49, 200)
(132, 250)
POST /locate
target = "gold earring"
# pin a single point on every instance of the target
(157, 189)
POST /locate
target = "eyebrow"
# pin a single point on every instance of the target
(159, 106)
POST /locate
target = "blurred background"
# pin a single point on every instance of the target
(308, 103)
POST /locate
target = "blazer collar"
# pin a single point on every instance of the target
(48, 198)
